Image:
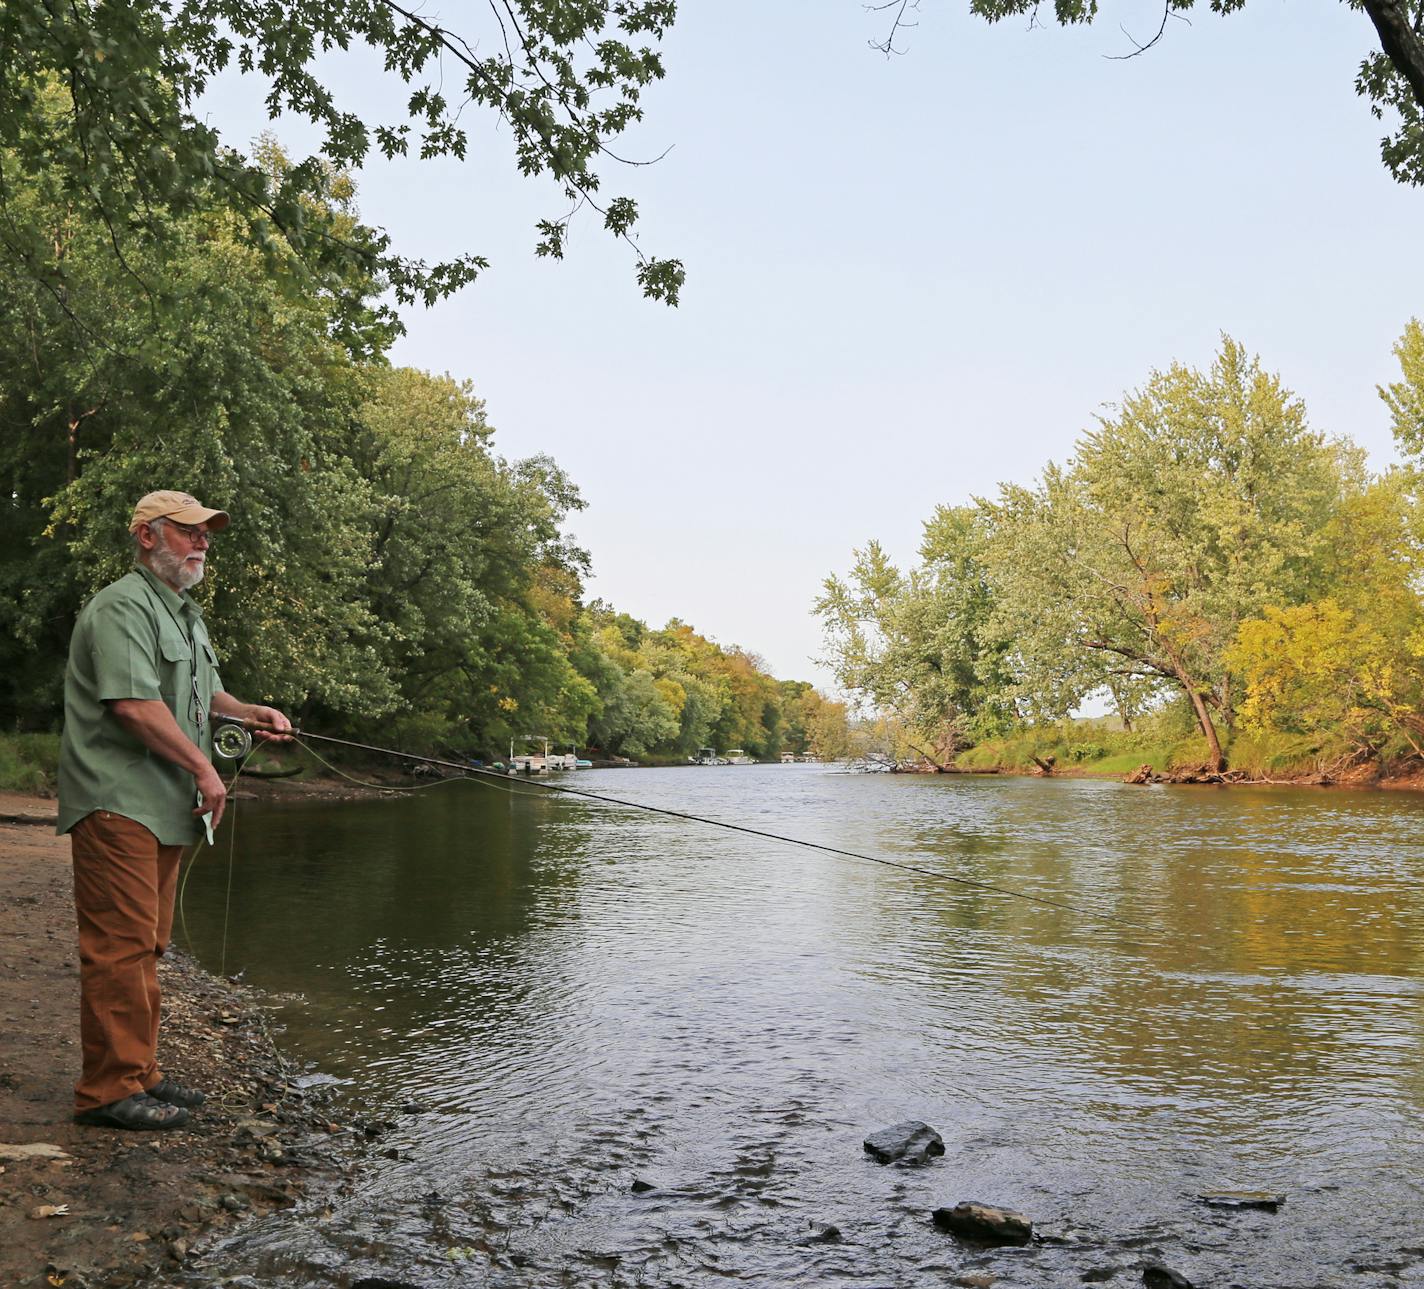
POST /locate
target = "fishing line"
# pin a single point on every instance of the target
(193, 860)
(231, 849)
(381, 787)
(478, 774)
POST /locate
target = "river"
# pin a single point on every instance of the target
(582, 996)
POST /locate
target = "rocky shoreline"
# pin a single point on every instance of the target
(90, 1208)
(1367, 776)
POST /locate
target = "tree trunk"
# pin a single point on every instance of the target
(75, 420)
(1402, 45)
(1218, 758)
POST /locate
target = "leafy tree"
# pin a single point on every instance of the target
(920, 645)
(130, 150)
(637, 717)
(235, 387)
(1205, 498)
(672, 691)
(1405, 397)
(1317, 668)
(795, 736)
(469, 572)
(1349, 663)
(383, 561)
(813, 724)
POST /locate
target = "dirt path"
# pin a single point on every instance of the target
(132, 1206)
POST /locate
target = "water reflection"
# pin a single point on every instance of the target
(587, 996)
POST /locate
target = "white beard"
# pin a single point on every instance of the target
(175, 569)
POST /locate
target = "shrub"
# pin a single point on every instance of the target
(29, 762)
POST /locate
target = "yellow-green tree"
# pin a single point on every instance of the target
(1205, 497)
(1318, 669)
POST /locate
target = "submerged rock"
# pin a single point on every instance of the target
(911, 1142)
(985, 1223)
(1157, 1275)
(318, 1080)
(1269, 1201)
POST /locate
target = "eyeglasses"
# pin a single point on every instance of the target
(190, 532)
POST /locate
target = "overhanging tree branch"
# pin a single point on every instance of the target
(1401, 40)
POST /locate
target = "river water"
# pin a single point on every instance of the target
(582, 996)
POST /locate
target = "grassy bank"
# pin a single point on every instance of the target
(29, 763)
(1104, 748)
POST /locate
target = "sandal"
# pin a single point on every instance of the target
(171, 1093)
(139, 1112)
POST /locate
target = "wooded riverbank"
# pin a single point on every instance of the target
(1206, 565)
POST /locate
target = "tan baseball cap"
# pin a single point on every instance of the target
(178, 506)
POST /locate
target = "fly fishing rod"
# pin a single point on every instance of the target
(232, 740)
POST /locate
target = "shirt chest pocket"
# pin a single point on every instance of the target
(175, 667)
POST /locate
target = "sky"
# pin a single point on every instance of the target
(909, 279)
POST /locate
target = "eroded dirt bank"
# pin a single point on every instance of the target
(87, 1207)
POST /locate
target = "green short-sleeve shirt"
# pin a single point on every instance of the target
(138, 638)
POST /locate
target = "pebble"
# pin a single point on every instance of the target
(249, 1128)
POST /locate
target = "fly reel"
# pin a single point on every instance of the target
(231, 741)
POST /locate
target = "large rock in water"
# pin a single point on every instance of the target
(911, 1142)
(985, 1223)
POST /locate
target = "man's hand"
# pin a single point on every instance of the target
(150, 721)
(210, 784)
(271, 716)
(276, 725)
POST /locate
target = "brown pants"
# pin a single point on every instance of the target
(123, 893)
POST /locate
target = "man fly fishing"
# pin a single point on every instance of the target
(135, 787)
